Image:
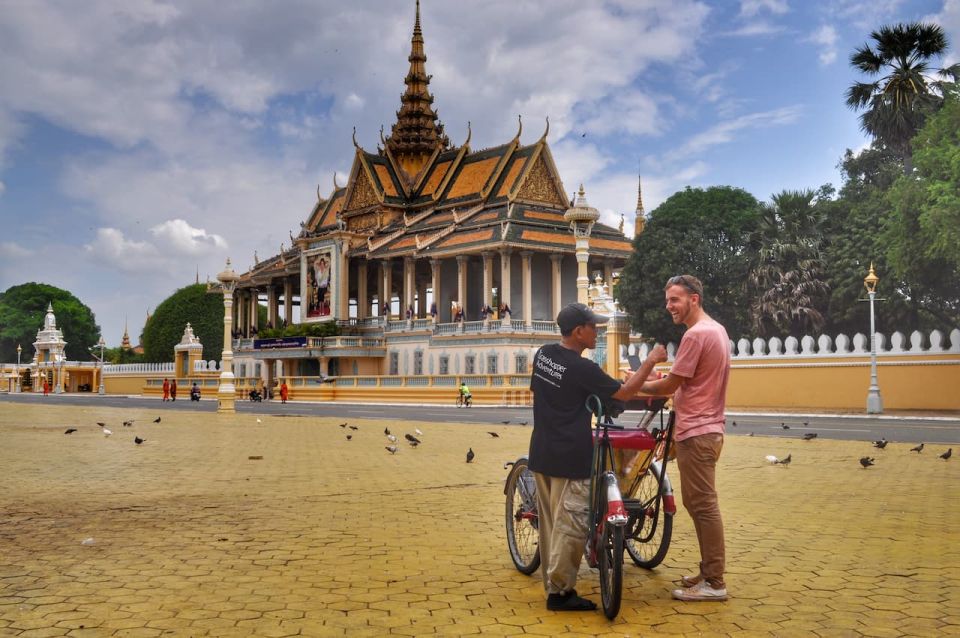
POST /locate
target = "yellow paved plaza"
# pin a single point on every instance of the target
(327, 537)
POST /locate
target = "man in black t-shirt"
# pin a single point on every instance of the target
(561, 447)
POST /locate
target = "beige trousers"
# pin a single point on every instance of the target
(697, 461)
(564, 507)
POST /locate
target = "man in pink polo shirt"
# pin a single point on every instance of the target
(698, 381)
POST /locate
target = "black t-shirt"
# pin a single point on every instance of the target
(562, 444)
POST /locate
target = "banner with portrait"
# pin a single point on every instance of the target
(319, 285)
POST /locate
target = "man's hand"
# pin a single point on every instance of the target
(658, 354)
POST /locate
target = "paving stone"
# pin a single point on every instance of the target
(330, 539)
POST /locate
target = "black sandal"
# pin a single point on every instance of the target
(569, 602)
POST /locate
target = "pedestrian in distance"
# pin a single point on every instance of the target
(698, 382)
(173, 389)
(284, 392)
(166, 389)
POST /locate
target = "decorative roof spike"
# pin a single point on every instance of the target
(640, 221)
(355, 145)
(519, 127)
(546, 131)
(335, 185)
(469, 134)
(639, 196)
(417, 133)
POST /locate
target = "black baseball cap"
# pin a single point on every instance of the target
(577, 314)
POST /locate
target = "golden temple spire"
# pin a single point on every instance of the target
(125, 341)
(417, 132)
(640, 221)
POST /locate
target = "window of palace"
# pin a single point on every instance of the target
(418, 362)
(491, 364)
(444, 364)
(469, 364)
(394, 363)
(521, 361)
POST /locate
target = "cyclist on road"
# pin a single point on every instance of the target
(561, 447)
(465, 393)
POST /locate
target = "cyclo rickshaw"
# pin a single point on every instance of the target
(631, 507)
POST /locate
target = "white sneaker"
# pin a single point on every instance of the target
(700, 591)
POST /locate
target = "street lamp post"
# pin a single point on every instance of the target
(100, 390)
(19, 349)
(581, 217)
(227, 392)
(874, 402)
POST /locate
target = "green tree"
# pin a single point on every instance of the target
(897, 104)
(702, 232)
(788, 278)
(22, 310)
(193, 304)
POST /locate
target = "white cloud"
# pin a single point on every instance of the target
(754, 28)
(724, 132)
(112, 248)
(826, 37)
(750, 8)
(949, 20)
(11, 250)
(3, 187)
(184, 238)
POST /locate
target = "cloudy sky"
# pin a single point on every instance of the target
(143, 141)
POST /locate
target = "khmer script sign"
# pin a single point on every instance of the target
(281, 342)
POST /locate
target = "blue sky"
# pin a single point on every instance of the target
(143, 141)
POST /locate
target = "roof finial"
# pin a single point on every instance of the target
(335, 185)
(639, 196)
(520, 127)
(319, 199)
(355, 145)
(469, 134)
(546, 130)
(416, 23)
(640, 220)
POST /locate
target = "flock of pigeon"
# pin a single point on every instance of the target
(108, 432)
(865, 461)
(413, 440)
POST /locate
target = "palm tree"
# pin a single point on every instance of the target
(788, 276)
(898, 103)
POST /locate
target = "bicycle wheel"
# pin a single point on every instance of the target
(460, 401)
(611, 569)
(650, 528)
(523, 536)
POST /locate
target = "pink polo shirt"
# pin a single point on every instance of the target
(704, 361)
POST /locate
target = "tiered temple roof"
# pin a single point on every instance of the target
(418, 196)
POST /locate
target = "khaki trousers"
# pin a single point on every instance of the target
(697, 461)
(564, 507)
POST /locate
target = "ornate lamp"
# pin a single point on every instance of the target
(581, 217)
(874, 401)
(226, 392)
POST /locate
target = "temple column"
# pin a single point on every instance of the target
(608, 275)
(422, 300)
(556, 260)
(287, 300)
(526, 269)
(406, 292)
(505, 278)
(343, 285)
(435, 284)
(272, 305)
(363, 302)
(254, 306)
(386, 271)
(463, 262)
(487, 278)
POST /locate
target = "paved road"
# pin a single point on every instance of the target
(843, 427)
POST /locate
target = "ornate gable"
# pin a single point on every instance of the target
(362, 194)
(541, 184)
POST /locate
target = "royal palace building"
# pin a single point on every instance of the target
(433, 259)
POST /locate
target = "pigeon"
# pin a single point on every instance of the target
(917, 449)
(418, 432)
(784, 425)
(749, 433)
(392, 438)
(411, 438)
(494, 435)
(866, 462)
(776, 461)
(129, 423)
(392, 449)
(787, 460)
(70, 430)
(386, 431)
(343, 425)
(259, 421)
(946, 455)
(734, 424)
(470, 455)
(414, 443)
(505, 422)
(882, 443)
(156, 420)
(809, 435)
(349, 437)
(353, 427)
(138, 440)
(806, 424)
(103, 425)
(106, 432)
(523, 422)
